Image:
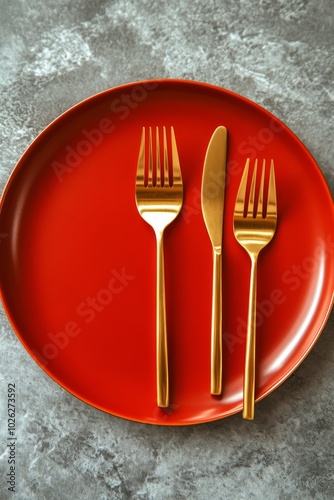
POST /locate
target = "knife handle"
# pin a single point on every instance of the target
(216, 326)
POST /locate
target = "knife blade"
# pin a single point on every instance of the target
(213, 197)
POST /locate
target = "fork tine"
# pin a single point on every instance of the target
(177, 176)
(158, 163)
(141, 160)
(166, 168)
(250, 211)
(260, 201)
(150, 160)
(240, 200)
(272, 202)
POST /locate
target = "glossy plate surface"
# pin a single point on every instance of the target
(77, 268)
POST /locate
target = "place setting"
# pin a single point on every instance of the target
(167, 252)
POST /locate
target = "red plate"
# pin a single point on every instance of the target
(78, 264)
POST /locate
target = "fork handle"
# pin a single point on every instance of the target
(249, 374)
(216, 326)
(161, 329)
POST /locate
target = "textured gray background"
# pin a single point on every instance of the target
(278, 53)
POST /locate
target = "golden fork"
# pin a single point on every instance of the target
(254, 228)
(159, 198)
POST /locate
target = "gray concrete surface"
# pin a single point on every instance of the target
(278, 53)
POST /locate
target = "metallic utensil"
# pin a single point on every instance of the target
(213, 193)
(159, 198)
(254, 227)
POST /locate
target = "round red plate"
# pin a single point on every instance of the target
(77, 265)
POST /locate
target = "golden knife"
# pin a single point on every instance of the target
(213, 193)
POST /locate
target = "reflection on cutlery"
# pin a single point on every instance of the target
(159, 197)
(254, 227)
(213, 191)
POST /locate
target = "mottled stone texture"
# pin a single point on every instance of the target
(278, 53)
